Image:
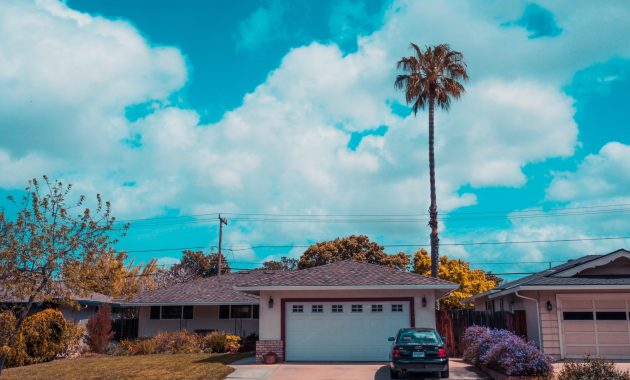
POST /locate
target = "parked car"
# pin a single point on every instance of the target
(417, 350)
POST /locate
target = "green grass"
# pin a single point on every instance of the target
(144, 367)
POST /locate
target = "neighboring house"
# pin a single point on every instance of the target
(343, 311)
(86, 305)
(575, 309)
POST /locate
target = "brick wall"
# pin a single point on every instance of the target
(265, 346)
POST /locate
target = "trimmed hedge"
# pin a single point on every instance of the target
(505, 352)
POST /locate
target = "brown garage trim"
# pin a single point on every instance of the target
(412, 317)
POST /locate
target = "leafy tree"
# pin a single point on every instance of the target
(355, 247)
(471, 281)
(201, 265)
(285, 263)
(192, 265)
(40, 246)
(432, 79)
(108, 274)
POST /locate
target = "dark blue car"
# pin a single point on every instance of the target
(418, 350)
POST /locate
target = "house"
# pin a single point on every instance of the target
(575, 309)
(86, 305)
(343, 311)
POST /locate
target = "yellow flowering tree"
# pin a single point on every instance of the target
(471, 281)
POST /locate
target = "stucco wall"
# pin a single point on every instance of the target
(270, 325)
(204, 318)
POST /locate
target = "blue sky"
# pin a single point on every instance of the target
(288, 107)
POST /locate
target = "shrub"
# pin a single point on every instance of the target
(73, 340)
(592, 369)
(42, 337)
(505, 352)
(180, 342)
(99, 330)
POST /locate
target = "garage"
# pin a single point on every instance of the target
(595, 325)
(343, 331)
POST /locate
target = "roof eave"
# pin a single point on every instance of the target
(446, 287)
(178, 303)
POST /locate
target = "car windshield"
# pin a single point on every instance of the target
(418, 337)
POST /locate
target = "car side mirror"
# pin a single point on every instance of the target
(391, 339)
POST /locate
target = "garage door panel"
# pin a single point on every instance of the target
(580, 338)
(612, 338)
(581, 351)
(345, 336)
(614, 351)
(578, 326)
(612, 326)
(579, 303)
(605, 303)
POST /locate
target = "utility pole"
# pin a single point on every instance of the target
(222, 221)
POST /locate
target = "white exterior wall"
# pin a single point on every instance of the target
(270, 319)
(204, 318)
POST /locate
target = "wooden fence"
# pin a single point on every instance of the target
(453, 323)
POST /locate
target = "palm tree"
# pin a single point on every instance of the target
(432, 78)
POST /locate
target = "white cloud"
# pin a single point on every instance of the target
(285, 149)
(602, 175)
(264, 25)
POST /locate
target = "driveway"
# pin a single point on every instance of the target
(337, 371)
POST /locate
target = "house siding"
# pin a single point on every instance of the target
(204, 318)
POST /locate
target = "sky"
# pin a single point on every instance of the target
(282, 116)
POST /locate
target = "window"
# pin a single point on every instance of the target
(317, 308)
(357, 308)
(240, 311)
(171, 312)
(337, 308)
(397, 308)
(224, 312)
(577, 315)
(377, 308)
(298, 308)
(188, 312)
(610, 315)
(155, 312)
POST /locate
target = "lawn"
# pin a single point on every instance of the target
(162, 366)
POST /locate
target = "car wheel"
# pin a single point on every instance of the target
(394, 374)
(444, 374)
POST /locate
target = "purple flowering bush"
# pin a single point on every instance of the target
(505, 352)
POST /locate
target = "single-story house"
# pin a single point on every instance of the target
(343, 311)
(87, 305)
(574, 309)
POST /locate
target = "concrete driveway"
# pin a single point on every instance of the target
(337, 371)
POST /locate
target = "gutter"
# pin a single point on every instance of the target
(537, 316)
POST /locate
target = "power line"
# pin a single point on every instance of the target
(451, 215)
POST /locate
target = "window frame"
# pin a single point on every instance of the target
(317, 309)
(377, 308)
(357, 308)
(254, 312)
(575, 315)
(337, 308)
(297, 309)
(172, 309)
(397, 308)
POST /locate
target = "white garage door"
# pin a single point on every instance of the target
(342, 331)
(595, 325)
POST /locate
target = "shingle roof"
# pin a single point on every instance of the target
(92, 297)
(549, 277)
(346, 273)
(209, 290)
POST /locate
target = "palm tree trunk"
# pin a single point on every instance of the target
(433, 214)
